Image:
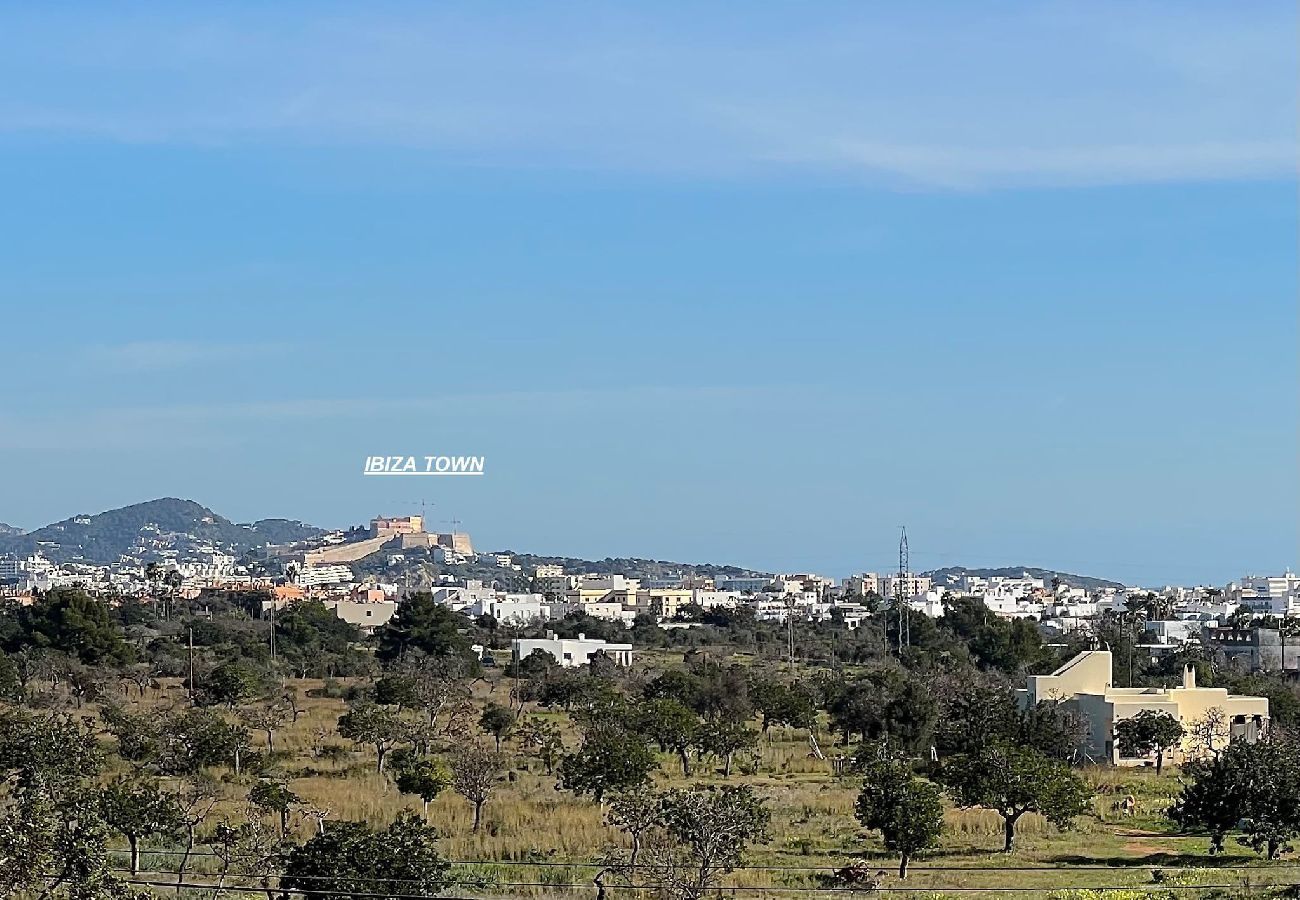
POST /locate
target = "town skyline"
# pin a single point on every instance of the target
(883, 566)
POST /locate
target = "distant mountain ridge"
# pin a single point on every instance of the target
(950, 574)
(149, 528)
(172, 528)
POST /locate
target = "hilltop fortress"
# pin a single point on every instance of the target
(391, 533)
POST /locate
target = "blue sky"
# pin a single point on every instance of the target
(700, 285)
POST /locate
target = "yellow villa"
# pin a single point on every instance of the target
(1084, 683)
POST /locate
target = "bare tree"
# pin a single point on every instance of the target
(318, 814)
(197, 799)
(437, 682)
(267, 719)
(705, 833)
(1209, 733)
(474, 774)
(635, 812)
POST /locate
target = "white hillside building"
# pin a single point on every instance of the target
(571, 652)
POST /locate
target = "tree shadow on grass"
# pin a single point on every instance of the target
(1156, 860)
(885, 858)
(990, 852)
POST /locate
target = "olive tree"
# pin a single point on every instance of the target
(545, 738)
(724, 739)
(267, 718)
(1150, 731)
(707, 831)
(426, 778)
(906, 810)
(377, 726)
(609, 759)
(138, 809)
(53, 837)
(351, 860)
(1252, 786)
(1012, 781)
(497, 721)
(274, 796)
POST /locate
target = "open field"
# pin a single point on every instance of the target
(539, 841)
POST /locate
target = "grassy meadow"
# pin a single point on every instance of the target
(538, 841)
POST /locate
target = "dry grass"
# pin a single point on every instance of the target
(536, 834)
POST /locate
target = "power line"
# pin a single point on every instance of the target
(319, 892)
(733, 889)
(1067, 867)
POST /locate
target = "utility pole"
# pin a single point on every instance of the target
(1281, 632)
(191, 643)
(1131, 634)
(789, 627)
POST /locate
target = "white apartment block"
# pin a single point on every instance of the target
(1085, 609)
(862, 584)
(911, 584)
(458, 597)
(1267, 594)
(32, 566)
(771, 610)
(1009, 606)
(36, 565)
(853, 614)
(1172, 631)
(715, 599)
(929, 602)
(803, 583)
(448, 555)
(54, 578)
(613, 611)
(513, 609)
(310, 576)
(1014, 588)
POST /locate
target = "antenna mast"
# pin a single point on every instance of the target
(901, 600)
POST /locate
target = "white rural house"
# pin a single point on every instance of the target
(571, 652)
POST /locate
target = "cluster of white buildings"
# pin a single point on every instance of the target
(23, 576)
(1173, 617)
(1272, 595)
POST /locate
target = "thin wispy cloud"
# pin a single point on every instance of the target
(205, 423)
(145, 356)
(975, 167)
(963, 96)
